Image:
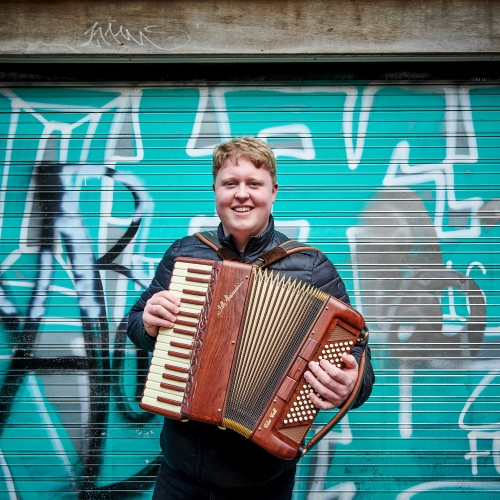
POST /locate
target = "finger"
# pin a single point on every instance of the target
(324, 385)
(322, 403)
(349, 360)
(170, 303)
(324, 372)
(344, 376)
(159, 311)
(326, 398)
(171, 297)
(154, 323)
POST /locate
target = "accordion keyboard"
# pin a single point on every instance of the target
(168, 373)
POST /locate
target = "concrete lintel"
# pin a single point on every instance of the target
(254, 30)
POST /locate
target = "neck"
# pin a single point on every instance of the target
(241, 243)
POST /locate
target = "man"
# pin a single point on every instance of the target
(200, 460)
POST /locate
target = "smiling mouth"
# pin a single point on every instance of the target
(242, 209)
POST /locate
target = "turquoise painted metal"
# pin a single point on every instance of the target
(398, 184)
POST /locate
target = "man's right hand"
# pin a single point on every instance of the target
(161, 310)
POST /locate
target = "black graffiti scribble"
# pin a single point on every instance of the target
(59, 219)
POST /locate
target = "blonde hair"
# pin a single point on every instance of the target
(255, 150)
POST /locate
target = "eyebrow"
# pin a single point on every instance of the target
(233, 178)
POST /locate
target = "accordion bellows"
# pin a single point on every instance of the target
(239, 349)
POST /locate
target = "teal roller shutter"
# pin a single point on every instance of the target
(398, 184)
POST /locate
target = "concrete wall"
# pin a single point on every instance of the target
(256, 30)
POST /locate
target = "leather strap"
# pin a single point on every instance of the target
(277, 253)
(211, 239)
(342, 410)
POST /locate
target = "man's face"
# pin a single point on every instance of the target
(244, 196)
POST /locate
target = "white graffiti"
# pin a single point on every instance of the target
(7, 476)
(212, 124)
(401, 173)
(486, 434)
(354, 151)
(285, 132)
(324, 451)
(153, 35)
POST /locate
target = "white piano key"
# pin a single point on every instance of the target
(185, 311)
(165, 391)
(152, 401)
(161, 362)
(184, 327)
(165, 358)
(179, 283)
(176, 288)
(197, 285)
(182, 281)
(168, 347)
(166, 336)
(153, 393)
(171, 336)
(160, 370)
(158, 378)
(195, 308)
(189, 265)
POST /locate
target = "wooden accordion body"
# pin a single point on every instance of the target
(237, 354)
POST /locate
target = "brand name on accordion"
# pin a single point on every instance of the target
(227, 298)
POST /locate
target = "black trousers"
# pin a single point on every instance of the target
(172, 485)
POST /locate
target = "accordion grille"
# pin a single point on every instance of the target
(279, 314)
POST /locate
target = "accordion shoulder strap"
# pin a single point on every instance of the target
(289, 247)
(211, 239)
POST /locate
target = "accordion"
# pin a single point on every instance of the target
(237, 353)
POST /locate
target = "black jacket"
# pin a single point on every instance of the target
(203, 451)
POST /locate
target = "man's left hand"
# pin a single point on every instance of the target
(333, 384)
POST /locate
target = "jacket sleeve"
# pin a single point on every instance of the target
(161, 281)
(326, 277)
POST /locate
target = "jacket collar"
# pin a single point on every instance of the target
(256, 246)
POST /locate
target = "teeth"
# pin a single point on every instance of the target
(242, 209)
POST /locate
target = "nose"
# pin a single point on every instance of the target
(241, 192)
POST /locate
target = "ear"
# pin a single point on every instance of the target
(275, 191)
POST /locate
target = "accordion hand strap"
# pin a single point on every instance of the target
(342, 411)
